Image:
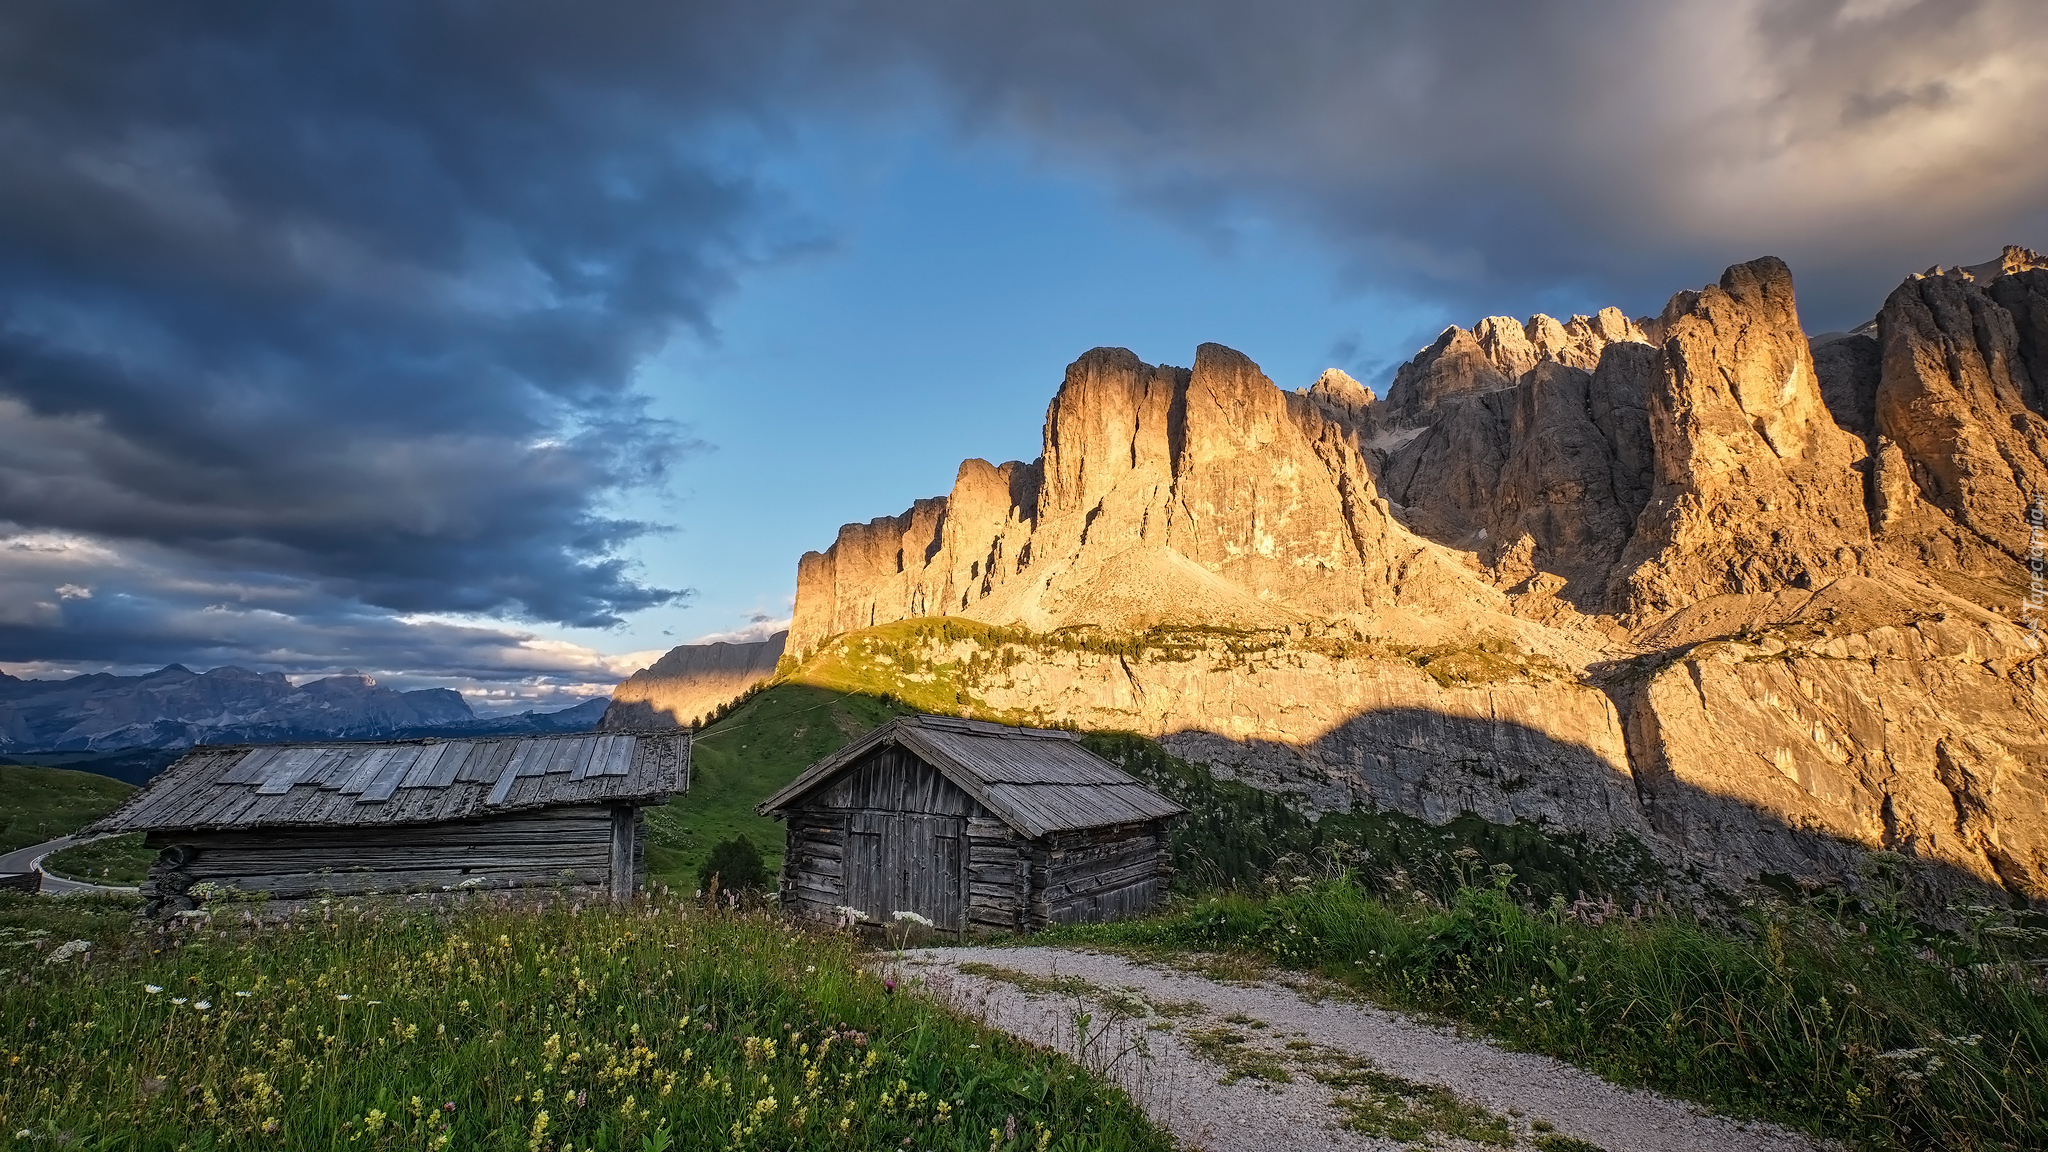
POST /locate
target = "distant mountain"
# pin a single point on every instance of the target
(581, 718)
(130, 726)
(690, 682)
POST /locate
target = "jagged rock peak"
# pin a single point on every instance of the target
(1499, 351)
(2011, 259)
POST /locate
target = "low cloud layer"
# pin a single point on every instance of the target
(319, 323)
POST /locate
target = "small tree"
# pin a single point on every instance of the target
(737, 864)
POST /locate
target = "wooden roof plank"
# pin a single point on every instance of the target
(366, 770)
(483, 762)
(380, 788)
(423, 766)
(448, 764)
(508, 774)
(367, 784)
(248, 767)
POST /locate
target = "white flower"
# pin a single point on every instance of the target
(913, 918)
(152, 989)
(22, 1135)
(849, 915)
(343, 996)
(245, 993)
(177, 999)
(203, 1005)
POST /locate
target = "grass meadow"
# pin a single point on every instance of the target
(1866, 1028)
(562, 1028)
(44, 803)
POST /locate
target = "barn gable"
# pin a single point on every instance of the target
(974, 826)
(1036, 780)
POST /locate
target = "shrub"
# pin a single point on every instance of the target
(736, 864)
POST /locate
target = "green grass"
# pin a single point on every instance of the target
(497, 1027)
(1869, 1029)
(1236, 836)
(45, 803)
(741, 760)
(118, 860)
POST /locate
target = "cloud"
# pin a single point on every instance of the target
(1486, 153)
(758, 627)
(353, 294)
(319, 323)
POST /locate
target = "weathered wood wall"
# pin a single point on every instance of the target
(591, 845)
(892, 832)
(1098, 874)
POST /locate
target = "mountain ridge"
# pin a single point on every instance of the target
(1785, 575)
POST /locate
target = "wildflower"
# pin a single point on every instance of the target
(152, 989)
(582, 1097)
(343, 996)
(448, 1107)
(203, 1005)
(913, 918)
(889, 986)
(177, 999)
(245, 993)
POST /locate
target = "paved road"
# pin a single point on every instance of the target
(30, 859)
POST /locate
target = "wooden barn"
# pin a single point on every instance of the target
(302, 820)
(977, 827)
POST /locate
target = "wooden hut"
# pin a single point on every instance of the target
(301, 820)
(974, 826)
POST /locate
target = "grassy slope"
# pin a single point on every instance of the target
(38, 804)
(1865, 1027)
(740, 761)
(493, 1027)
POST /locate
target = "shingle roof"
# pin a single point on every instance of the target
(407, 782)
(1036, 780)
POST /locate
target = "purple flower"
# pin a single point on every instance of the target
(889, 987)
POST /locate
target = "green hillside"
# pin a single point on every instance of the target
(740, 760)
(38, 804)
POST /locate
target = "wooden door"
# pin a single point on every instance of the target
(907, 862)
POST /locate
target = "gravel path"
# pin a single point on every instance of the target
(1266, 1065)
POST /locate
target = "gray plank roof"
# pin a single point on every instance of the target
(1036, 780)
(404, 782)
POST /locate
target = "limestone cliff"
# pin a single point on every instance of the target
(689, 682)
(1751, 598)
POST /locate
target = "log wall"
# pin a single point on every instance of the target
(595, 846)
(1098, 874)
(843, 845)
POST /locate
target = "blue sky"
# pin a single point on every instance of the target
(502, 348)
(842, 384)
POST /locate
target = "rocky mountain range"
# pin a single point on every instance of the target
(174, 708)
(690, 682)
(1757, 599)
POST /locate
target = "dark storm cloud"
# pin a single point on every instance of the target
(316, 318)
(352, 295)
(1489, 153)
